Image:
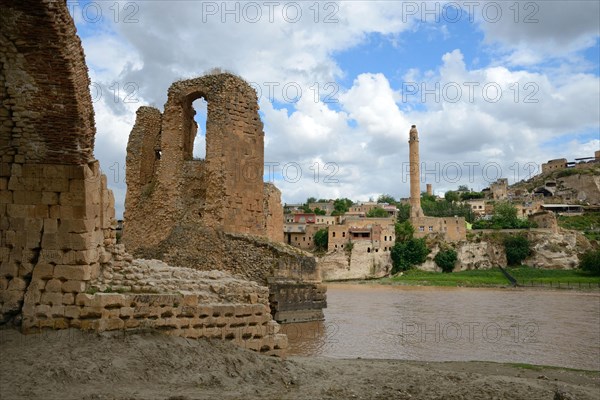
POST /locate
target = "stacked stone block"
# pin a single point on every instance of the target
(297, 301)
(56, 232)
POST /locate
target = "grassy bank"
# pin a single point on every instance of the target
(494, 277)
(588, 224)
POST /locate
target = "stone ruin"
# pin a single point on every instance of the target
(216, 212)
(167, 187)
(61, 266)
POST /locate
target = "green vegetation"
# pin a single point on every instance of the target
(432, 207)
(321, 239)
(517, 249)
(403, 212)
(407, 254)
(588, 223)
(471, 195)
(494, 277)
(590, 262)
(452, 196)
(349, 247)
(535, 367)
(407, 251)
(524, 275)
(567, 172)
(377, 212)
(404, 231)
(386, 198)
(505, 217)
(341, 206)
(446, 259)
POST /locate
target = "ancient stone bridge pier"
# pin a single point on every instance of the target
(216, 212)
(60, 264)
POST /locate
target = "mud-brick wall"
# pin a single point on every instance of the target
(247, 325)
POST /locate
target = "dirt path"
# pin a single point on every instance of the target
(75, 365)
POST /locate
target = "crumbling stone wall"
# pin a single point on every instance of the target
(57, 226)
(286, 270)
(211, 213)
(273, 213)
(56, 210)
(359, 263)
(177, 301)
(167, 187)
(46, 106)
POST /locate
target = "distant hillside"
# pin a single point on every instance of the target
(571, 185)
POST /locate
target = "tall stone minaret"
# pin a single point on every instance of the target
(415, 173)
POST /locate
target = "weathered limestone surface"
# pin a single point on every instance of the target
(586, 187)
(57, 227)
(357, 264)
(550, 249)
(556, 250)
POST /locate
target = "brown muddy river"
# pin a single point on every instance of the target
(559, 328)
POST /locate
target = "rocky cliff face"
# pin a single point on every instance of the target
(471, 255)
(357, 264)
(556, 251)
(586, 188)
(549, 250)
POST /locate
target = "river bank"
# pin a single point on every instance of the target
(525, 276)
(75, 365)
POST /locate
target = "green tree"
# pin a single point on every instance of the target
(386, 198)
(311, 200)
(517, 249)
(505, 214)
(321, 239)
(318, 211)
(430, 198)
(445, 208)
(471, 195)
(342, 205)
(446, 259)
(505, 217)
(590, 261)
(403, 212)
(404, 231)
(377, 212)
(452, 196)
(306, 209)
(406, 255)
(463, 188)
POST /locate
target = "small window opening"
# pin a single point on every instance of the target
(201, 108)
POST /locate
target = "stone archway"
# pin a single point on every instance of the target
(225, 190)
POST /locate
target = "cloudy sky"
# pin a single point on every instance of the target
(495, 88)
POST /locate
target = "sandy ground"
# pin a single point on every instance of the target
(75, 365)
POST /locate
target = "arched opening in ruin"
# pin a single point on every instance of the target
(200, 106)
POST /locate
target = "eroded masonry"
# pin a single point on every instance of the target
(215, 212)
(61, 266)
